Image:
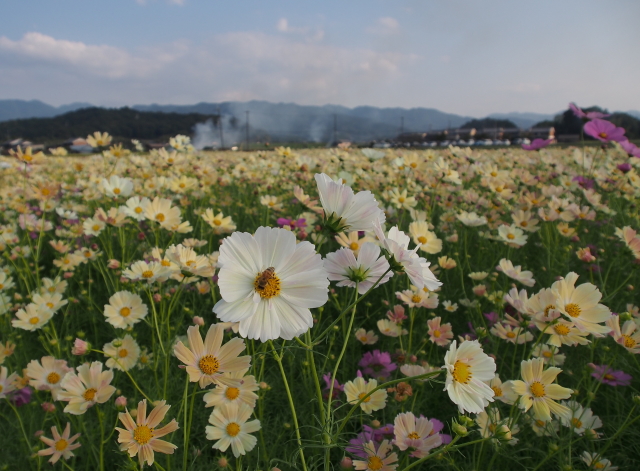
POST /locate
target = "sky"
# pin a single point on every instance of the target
(465, 57)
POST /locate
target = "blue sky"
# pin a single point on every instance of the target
(466, 57)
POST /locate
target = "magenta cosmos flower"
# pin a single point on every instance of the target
(630, 148)
(604, 131)
(589, 115)
(537, 144)
(607, 375)
(377, 364)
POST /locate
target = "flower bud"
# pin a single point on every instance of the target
(346, 463)
(460, 430)
(113, 264)
(222, 462)
(80, 347)
(197, 320)
(48, 407)
(121, 402)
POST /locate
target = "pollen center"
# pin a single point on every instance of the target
(147, 274)
(361, 395)
(628, 341)
(354, 246)
(233, 429)
(34, 320)
(497, 392)
(209, 364)
(160, 217)
(603, 135)
(123, 353)
(576, 423)
(422, 239)
(561, 329)
(53, 378)
(267, 284)
(573, 309)
(374, 463)
(537, 389)
(61, 444)
(510, 236)
(125, 311)
(413, 436)
(142, 434)
(511, 335)
(415, 298)
(232, 393)
(89, 394)
(461, 372)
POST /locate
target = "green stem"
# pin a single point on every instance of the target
(278, 359)
(445, 449)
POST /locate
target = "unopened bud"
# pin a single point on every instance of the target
(346, 463)
(80, 347)
(197, 320)
(121, 402)
(223, 463)
(460, 430)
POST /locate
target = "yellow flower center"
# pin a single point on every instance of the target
(437, 334)
(628, 341)
(548, 308)
(142, 434)
(89, 394)
(461, 372)
(233, 429)
(510, 335)
(1, 286)
(494, 174)
(165, 263)
(61, 445)
(217, 222)
(147, 274)
(599, 465)
(267, 284)
(541, 423)
(401, 200)
(125, 311)
(116, 191)
(603, 135)
(364, 339)
(209, 364)
(232, 393)
(34, 320)
(374, 463)
(547, 354)
(122, 353)
(1, 388)
(53, 378)
(96, 227)
(50, 305)
(87, 254)
(413, 436)
(576, 423)
(422, 239)
(609, 376)
(361, 395)
(354, 246)
(537, 389)
(160, 217)
(573, 309)
(524, 224)
(415, 298)
(138, 210)
(497, 391)
(561, 329)
(510, 236)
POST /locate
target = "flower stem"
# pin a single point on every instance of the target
(278, 359)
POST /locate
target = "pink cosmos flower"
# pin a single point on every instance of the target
(416, 433)
(605, 374)
(589, 115)
(537, 144)
(441, 335)
(604, 131)
(630, 148)
(398, 315)
(377, 364)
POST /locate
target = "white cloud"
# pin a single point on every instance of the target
(385, 26)
(101, 60)
(283, 25)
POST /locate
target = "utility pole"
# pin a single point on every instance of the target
(335, 129)
(247, 130)
(220, 125)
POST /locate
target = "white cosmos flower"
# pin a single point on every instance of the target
(468, 368)
(396, 243)
(275, 303)
(346, 210)
(135, 207)
(117, 186)
(342, 266)
(125, 309)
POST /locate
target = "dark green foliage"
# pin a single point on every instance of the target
(489, 123)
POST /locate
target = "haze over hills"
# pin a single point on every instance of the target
(279, 122)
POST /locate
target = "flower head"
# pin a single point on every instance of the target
(89, 386)
(60, 445)
(605, 374)
(229, 427)
(604, 131)
(365, 270)
(140, 437)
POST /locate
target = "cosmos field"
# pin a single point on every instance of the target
(322, 309)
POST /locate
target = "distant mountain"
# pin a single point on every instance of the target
(634, 113)
(288, 121)
(20, 109)
(523, 120)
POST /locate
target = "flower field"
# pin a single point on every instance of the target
(319, 310)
